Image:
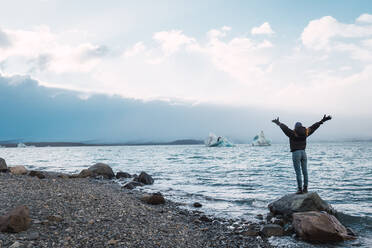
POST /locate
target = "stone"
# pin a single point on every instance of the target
(112, 242)
(205, 218)
(291, 203)
(132, 185)
(319, 227)
(144, 178)
(33, 236)
(259, 216)
(55, 218)
(18, 170)
(269, 230)
(64, 176)
(197, 205)
(85, 173)
(250, 232)
(197, 221)
(37, 174)
(17, 220)
(101, 169)
(16, 245)
(3, 166)
(154, 199)
(277, 221)
(121, 174)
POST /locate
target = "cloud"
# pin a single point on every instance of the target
(319, 34)
(263, 29)
(47, 114)
(4, 40)
(40, 63)
(135, 50)
(63, 56)
(50, 114)
(171, 41)
(219, 67)
(94, 51)
(367, 18)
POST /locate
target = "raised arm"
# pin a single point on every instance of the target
(316, 125)
(285, 129)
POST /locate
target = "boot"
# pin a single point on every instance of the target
(305, 189)
(299, 191)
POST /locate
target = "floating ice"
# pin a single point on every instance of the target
(214, 141)
(260, 140)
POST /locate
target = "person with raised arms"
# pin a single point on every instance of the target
(297, 140)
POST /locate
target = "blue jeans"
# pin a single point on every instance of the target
(300, 163)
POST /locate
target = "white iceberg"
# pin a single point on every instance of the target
(214, 141)
(260, 140)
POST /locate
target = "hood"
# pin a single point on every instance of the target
(300, 131)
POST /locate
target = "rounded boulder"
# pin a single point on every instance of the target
(101, 169)
(18, 170)
(145, 178)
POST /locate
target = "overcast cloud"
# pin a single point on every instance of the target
(321, 63)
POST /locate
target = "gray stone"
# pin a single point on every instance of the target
(101, 169)
(16, 245)
(272, 230)
(205, 218)
(85, 173)
(250, 232)
(121, 174)
(3, 166)
(291, 203)
(37, 174)
(33, 236)
(145, 178)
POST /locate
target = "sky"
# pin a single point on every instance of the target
(194, 67)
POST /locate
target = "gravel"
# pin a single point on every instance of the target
(99, 213)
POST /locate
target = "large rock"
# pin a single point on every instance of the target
(121, 174)
(319, 227)
(85, 173)
(289, 204)
(101, 169)
(15, 221)
(144, 178)
(3, 166)
(37, 174)
(18, 170)
(154, 199)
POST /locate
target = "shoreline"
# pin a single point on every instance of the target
(99, 213)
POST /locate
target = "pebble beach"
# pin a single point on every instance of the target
(85, 212)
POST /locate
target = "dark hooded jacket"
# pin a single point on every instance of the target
(297, 137)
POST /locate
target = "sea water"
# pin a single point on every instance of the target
(232, 182)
